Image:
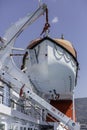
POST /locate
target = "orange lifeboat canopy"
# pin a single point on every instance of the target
(65, 44)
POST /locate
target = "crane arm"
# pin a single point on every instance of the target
(16, 29)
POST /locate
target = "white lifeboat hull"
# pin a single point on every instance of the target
(52, 69)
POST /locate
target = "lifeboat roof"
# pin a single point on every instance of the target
(61, 42)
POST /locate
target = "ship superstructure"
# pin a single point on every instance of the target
(39, 95)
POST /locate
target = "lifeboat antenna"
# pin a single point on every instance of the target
(62, 36)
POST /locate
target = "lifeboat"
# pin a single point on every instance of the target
(52, 66)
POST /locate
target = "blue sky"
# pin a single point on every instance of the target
(65, 16)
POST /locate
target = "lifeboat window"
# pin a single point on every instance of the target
(29, 128)
(2, 126)
(0, 99)
(24, 128)
(21, 128)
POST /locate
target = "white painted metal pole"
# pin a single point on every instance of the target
(73, 106)
(40, 2)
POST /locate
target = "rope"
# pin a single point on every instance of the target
(47, 25)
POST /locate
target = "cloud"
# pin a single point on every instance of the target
(55, 20)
